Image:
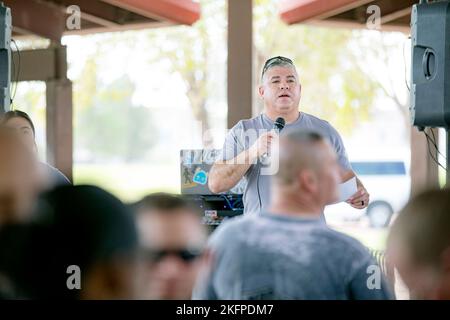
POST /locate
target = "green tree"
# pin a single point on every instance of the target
(107, 124)
(390, 80)
(189, 51)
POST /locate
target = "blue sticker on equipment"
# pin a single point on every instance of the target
(200, 177)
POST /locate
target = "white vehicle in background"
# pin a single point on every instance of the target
(388, 183)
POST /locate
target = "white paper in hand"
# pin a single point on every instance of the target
(346, 189)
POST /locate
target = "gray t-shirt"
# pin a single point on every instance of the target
(275, 256)
(239, 139)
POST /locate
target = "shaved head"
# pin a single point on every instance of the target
(425, 228)
(299, 150)
(419, 245)
(308, 170)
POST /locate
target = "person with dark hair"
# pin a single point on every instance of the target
(82, 244)
(250, 140)
(172, 240)
(22, 123)
(19, 178)
(288, 251)
(419, 245)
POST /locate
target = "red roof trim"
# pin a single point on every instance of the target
(178, 11)
(294, 11)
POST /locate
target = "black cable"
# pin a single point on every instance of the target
(433, 141)
(432, 157)
(18, 68)
(18, 71)
(13, 75)
(435, 145)
(257, 188)
(224, 196)
(235, 203)
(404, 62)
(429, 151)
(428, 147)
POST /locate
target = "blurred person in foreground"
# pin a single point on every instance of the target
(172, 241)
(19, 178)
(22, 123)
(81, 245)
(288, 251)
(419, 245)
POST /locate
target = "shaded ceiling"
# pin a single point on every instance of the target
(47, 18)
(395, 14)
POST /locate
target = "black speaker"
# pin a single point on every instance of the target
(430, 70)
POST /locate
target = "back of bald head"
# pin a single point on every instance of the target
(299, 150)
(423, 227)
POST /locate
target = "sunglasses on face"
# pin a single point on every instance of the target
(275, 60)
(187, 255)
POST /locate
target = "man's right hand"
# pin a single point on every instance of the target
(224, 175)
(262, 145)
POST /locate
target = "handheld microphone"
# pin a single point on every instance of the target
(278, 125)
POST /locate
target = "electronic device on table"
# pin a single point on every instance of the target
(195, 165)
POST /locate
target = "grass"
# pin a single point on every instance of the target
(372, 238)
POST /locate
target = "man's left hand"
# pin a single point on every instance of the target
(360, 199)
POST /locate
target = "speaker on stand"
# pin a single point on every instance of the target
(430, 69)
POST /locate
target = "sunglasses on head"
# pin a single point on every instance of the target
(274, 60)
(187, 255)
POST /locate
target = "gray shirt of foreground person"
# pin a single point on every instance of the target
(239, 140)
(284, 257)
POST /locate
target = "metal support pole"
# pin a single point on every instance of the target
(5, 58)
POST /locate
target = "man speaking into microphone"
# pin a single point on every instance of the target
(248, 144)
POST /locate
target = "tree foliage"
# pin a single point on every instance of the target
(107, 124)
